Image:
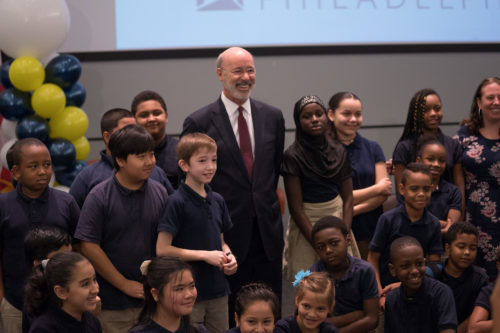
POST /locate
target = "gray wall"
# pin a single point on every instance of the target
(384, 82)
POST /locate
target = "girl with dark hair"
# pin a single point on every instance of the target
(170, 294)
(370, 183)
(317, 181)
(60, 293)
(480, 138)
(256, 309)
(424, 117)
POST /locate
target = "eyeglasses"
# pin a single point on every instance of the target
(241, 71)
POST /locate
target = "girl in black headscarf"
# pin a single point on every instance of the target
(317, 180)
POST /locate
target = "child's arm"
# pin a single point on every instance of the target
(164, 248)
(368, 320)
(347, 204)
(105, 268)
(453, 216)
(478, 321)
(369, 198)
(463, 326)
(231, 266)
(374, 260)
(346, 319)
(293, 190)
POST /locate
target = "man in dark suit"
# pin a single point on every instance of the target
(250, 138)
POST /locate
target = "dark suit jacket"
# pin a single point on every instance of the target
(247, 201)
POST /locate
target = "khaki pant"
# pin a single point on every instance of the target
(299, 254)
(12, 317)
(212, 313)
(118, 321)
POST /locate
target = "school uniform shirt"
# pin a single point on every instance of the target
(430, 310)
(290, 325)
(196, 223)
(403, 153)
(483, 299)
(363, 155)
(55, 320)
(124, 224)
(465, 289)
(97, 172)
(446, 196)
(18, 215)
(357, 284)
(153, 327)
(396, 223)
(166, 159)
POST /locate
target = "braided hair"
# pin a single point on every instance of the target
(414, 126)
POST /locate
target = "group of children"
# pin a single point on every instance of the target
(343, 293)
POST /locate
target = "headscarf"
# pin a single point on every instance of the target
(314, 157)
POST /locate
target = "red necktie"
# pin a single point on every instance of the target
(245, 144)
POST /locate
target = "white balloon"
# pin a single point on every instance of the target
(8, 128)
(3, 152)
(33, 27)
(48, 58)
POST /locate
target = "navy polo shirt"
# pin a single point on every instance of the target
(18, 215)
(290, 325)
(483, 299)
(97, 172)
(124, 224)
(465, 289)
(445, 197)
(357, 284)
(363, 155)
(55, 320)
(153, 327)
(403, 153)
(166, 159)
(396, 223)
(431, 309)
(196, 223)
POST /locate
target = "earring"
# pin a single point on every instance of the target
(480, 112)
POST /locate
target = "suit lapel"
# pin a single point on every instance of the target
(259, 123)
(221, 122)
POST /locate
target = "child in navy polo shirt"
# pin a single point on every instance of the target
(118, 226)
(192, 229)
(480, 321)
(446, 199)
(111, 121)
(356, 292)
(420, 304)
(459, 273)
(31, 204)
(410, 219)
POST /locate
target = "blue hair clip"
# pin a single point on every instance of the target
(299, 276)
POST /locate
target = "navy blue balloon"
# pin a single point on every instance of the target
(75, 95)
(4, 74)
(64, 70)
(66, 177)
(14, 104)
(63, 154)
(33, 127)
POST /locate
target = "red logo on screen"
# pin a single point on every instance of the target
(219, 4)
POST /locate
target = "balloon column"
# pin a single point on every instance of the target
(41, 102)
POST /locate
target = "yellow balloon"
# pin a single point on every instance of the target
(70, 124)
(82, 148)
(26, 73)
(48, 100)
